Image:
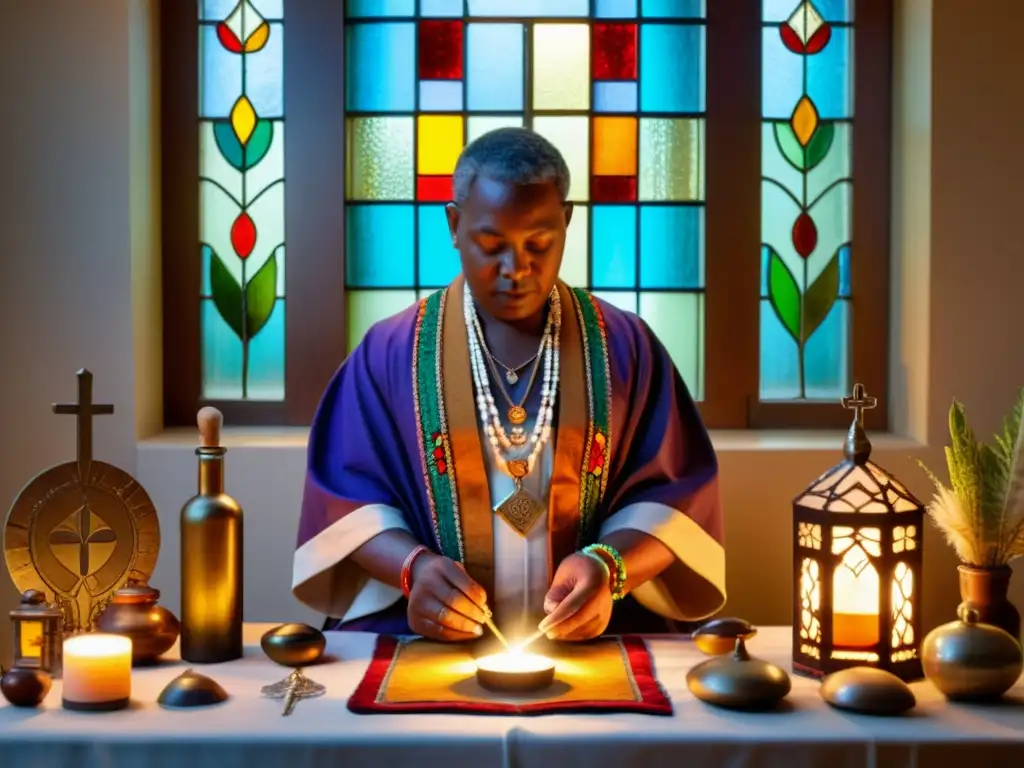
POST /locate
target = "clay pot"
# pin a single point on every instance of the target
(133, 612)
(984, 590)
(25, 687)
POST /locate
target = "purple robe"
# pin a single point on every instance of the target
(630, 452)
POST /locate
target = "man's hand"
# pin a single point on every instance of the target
(579, 603)
(444, 602)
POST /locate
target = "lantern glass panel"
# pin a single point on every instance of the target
(855, 586)
(30, 640)
(810, 607)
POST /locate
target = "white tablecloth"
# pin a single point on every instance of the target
(248, 731)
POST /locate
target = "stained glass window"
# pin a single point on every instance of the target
(616, 85)
(806, 139)
(241, 193)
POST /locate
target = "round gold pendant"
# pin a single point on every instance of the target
(517, 414)
(518, 468)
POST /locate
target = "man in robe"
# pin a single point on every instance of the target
(506, 423)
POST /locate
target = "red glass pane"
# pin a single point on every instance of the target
(440, 50)
(615, 51)
(434, 188)
(613, 189)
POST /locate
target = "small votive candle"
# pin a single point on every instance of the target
(97, 672)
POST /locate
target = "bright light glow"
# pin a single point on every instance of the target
(514, 661)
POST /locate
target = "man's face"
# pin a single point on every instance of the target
(510, 240)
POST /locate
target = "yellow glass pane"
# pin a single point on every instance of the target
(439, 144)
(368, 307)
(561, 66)
(379, 158)
(615, 146)
(478, 125)
(571, 136)
(574, 260)
(671, 159)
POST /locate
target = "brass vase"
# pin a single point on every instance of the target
(133, 613)
(985, 590)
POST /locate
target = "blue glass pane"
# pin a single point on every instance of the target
(440, 95)
(266, 358)
(269, 9)
(626, 300)
(614, 97)
(613, 251)
(826, 355)
(671, 246)
(829, 76)
(378, 245)
(439, 259)
(525, 8)
(218, 10)
(672, 9)
(444, 8)
(780, 363)
(355, 8)
(830, 10)
(494, 66)
(221, 81)
(671, 68)
(264, 75)
(844, 271)
(766, 255)
(381, 66)
(615, 9)
(222, 357)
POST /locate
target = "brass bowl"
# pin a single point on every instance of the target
(719, 636)
(294, 645)
(739, 681)
(191, 689)
(515, 672)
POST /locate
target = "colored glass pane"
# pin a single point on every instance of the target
(439, 143)
(613, 189)
(494, 67)
(625, 300)
(478, 125)
(365, 308)
(671, 247)
(614, 51)
(561, 63)
(379, 245)
(671, 159)
(241, 202)
(830, 10)
(440, 95)
(434, 188)
(219, 10)
(672, 68)
(677, 319)
(806, 202)
(613, 256)
(615, 9)
(672, 9)
(571, 136)
(441, 8)
(440, 50)
(615, 145)
(381, 53)
(374, 8)
(528, 8)
(577, 250)
(615, 96)
(379, 158)
(438, 258)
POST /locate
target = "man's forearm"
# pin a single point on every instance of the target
(382, 556)
(646, 557)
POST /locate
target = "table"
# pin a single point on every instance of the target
(248, 731)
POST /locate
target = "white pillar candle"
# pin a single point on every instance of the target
(97, 672)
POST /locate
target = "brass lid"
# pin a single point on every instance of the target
(739, 681)
(192, 689)
(33, 605)
(135, 593)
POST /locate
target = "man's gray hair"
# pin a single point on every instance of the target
(513, 155)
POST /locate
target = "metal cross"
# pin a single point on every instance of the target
(859, 403)
(84, 409)
(84, 537)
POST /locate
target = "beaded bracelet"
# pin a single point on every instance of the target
(616, 567)
(407, 569)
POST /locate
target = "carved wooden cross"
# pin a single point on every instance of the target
(84, 409)
(859, 403)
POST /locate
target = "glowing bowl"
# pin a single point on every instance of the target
(515, 672)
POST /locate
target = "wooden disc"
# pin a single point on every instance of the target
(516, 414)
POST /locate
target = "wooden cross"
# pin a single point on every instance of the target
(859, 403)
(84, 410)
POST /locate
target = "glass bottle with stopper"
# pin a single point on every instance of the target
(211, 557)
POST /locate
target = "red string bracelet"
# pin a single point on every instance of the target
(407, 569)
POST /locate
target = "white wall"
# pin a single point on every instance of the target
(78, 251)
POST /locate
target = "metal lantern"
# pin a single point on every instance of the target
(38, 634)
(857, 565)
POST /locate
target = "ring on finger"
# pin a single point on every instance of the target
(441, 614)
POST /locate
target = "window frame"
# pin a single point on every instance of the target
(314, 145)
